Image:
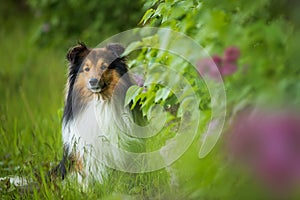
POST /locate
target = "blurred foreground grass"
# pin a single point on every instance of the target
(32, 82)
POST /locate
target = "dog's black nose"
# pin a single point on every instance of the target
(94, 82)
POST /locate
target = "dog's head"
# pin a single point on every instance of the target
(96, 71)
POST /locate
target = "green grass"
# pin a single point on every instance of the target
(32, 82)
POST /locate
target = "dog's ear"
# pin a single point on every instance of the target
(116, 48)
(76, 54)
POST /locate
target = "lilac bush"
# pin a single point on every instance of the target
(225, 66)
(268, 144)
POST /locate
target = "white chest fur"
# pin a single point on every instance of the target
(99, 121)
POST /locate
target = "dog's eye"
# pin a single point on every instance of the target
(87, 69)
(103, 67)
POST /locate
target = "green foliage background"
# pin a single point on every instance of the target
(35, 36)
(265, 31)
(89, 21)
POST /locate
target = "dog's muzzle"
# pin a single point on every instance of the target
(96, 85)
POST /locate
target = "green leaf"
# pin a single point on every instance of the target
(140, 97)
(162, 94)
(147, 16)
(132, 92)
(151, 41)
(148, 103)
(161, 9)
(131, 47)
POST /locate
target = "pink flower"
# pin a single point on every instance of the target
(231, 54)
(209, 67)
(219, 66)
(269, 144)
(227, 68)
(139, 80)
(217, 60)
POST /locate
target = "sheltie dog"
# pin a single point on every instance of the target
(94, 111)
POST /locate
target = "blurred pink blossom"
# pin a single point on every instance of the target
(217, 65)
(231, 54)
(268, 143)
(209, 67)
(139, 80)
(227, 68)
(217, 60)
